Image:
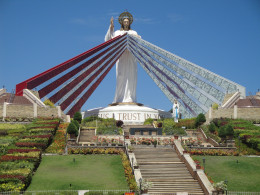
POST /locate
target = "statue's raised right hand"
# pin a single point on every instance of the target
(112, 22)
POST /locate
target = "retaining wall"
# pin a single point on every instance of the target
(243, 113)
(28, 111)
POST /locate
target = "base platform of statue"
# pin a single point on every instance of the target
(129, 113)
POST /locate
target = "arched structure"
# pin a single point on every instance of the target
(71, 83)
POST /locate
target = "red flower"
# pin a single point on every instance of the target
(14, 158)
(10, 151)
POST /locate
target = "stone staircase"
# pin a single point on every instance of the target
(165, 170)
(86, 135)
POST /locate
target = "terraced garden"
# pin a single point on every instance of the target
(21, 148)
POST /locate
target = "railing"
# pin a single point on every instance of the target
(78, 135)
(66, 192)
(242, 193)
(11, 99)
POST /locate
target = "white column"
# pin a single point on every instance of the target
(68, 118)
(235, 112)
(210, 113)
(35, 111)
(4, 109)
(59, 111)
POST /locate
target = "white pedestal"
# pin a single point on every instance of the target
(130, 114)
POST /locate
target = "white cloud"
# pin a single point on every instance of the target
(145, 20)
(88, 21)
(94, 38)
(79, 21)
(113, 14)
(175, 17)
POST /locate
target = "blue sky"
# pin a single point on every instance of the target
(221, 36)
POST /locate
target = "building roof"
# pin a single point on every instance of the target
(248, 103)
(6, 97)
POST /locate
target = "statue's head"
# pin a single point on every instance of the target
(125, 19)
(126, 25)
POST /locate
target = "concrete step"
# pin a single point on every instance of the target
(157, 163)
(154, 175)
(159, 159)
(171, 193)
(150, 178)
(165, 170)
(176, 189)
(175, 185)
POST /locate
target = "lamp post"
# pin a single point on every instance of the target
(132, 164)
(238, 145)
(140, 183)
(226, 182)
(204, 164)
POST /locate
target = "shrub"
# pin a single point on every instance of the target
(72, 129)
(48, 102)
(215, 106)
(200, 120)
(148, 121)
(119, 123)
(222, 132)
(78, 117)
(229, 130)
(188, 123)
(212, 128)
(91, 118)
(76, 123)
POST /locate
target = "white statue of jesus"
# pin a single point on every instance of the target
(126, 66)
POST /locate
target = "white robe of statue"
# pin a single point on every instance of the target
(126, 71)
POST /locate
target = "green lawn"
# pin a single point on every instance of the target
(241, 176)
(94, 172)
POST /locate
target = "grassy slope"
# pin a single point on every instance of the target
(88, 172)
(241, 176)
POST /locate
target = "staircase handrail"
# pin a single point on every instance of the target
(2, 91)
(231, 100)
(203, 133)
(11, 98)
(137, 173)
(33, 98)
(197, 174)
(78, 136)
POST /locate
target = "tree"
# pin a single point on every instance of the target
(76, 123)
(119, 123)
(72, 129)
(229, 131)
(78, 117)
(215, 106)
(212, 128)
(200, 120)
(222, 132)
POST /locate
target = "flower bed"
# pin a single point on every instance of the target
(17, 158)
(38, 136)
(10, 151)
(94, 151)
(20, 156)
(105, 140)
(151, 141)
(30, 145)
(16, 165)
(213, 152)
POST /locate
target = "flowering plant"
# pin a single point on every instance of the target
(145, 185)
(220, 186)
